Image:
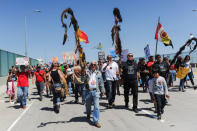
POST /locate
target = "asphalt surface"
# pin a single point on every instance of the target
(180, 114)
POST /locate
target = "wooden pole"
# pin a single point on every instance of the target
(157, 38)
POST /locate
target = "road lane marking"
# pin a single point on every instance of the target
(153, 116)
(14, 123)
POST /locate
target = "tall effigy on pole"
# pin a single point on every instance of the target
(188, 43)
(115, 33)
(73, 22)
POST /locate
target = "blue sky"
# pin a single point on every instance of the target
(95, 18)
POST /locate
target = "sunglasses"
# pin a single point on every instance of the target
(93, 64)
(130, 56)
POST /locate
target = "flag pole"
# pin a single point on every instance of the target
(157, 38)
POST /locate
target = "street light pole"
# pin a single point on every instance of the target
(26, 52)
(25, 36)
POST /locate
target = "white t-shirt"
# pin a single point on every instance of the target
(111, 71)
(9, 85)
(187, 65)
(69, 71)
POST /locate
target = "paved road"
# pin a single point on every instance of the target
(180, 114)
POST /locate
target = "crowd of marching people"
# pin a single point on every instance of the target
(96, 80)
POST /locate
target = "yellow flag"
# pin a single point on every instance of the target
(182, 72)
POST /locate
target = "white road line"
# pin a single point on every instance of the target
(14, 123)
(149, 113)
(162, 120)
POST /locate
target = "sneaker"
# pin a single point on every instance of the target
(109, 106)
(159, 117)
(113, 104)
(195, 87)
(76, 102)
(83, 103)
(24, 107)
(98, 125)
(135, 110)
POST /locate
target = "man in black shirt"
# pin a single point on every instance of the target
(162, 66)
(143, 73)
(130, 79)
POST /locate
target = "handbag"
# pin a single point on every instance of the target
(57, 86)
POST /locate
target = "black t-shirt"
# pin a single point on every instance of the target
(162, 67)
(55, 77)
(130, 70)
(142, 68)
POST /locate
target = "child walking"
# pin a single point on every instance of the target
(10, 89)
(160, 91)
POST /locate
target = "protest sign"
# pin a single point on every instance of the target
(54, 59)
(22, 61)
(69, 57)
(101, 56)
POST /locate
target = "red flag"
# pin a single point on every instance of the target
(82, 36)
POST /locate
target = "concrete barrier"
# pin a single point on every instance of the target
(3, 85)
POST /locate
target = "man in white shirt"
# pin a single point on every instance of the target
(111, 71)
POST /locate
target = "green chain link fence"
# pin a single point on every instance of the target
(8, 59)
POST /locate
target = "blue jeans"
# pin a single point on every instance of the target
(172, 76)
(182, 84)
(80, 88)
(69, 87)
(22, 95)
(56, 96)
(93, 96)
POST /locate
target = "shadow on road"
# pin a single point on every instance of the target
(35, 98)
(34, 93)
(103, 104)
(122, 107)
(70, 102)
(148, 109)
(80, 119)
(147, 115)
(146, 101)
(118, 107)
(42, 124)
(141, 91)
(47, 109)
(15, 107)
(174, 89)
